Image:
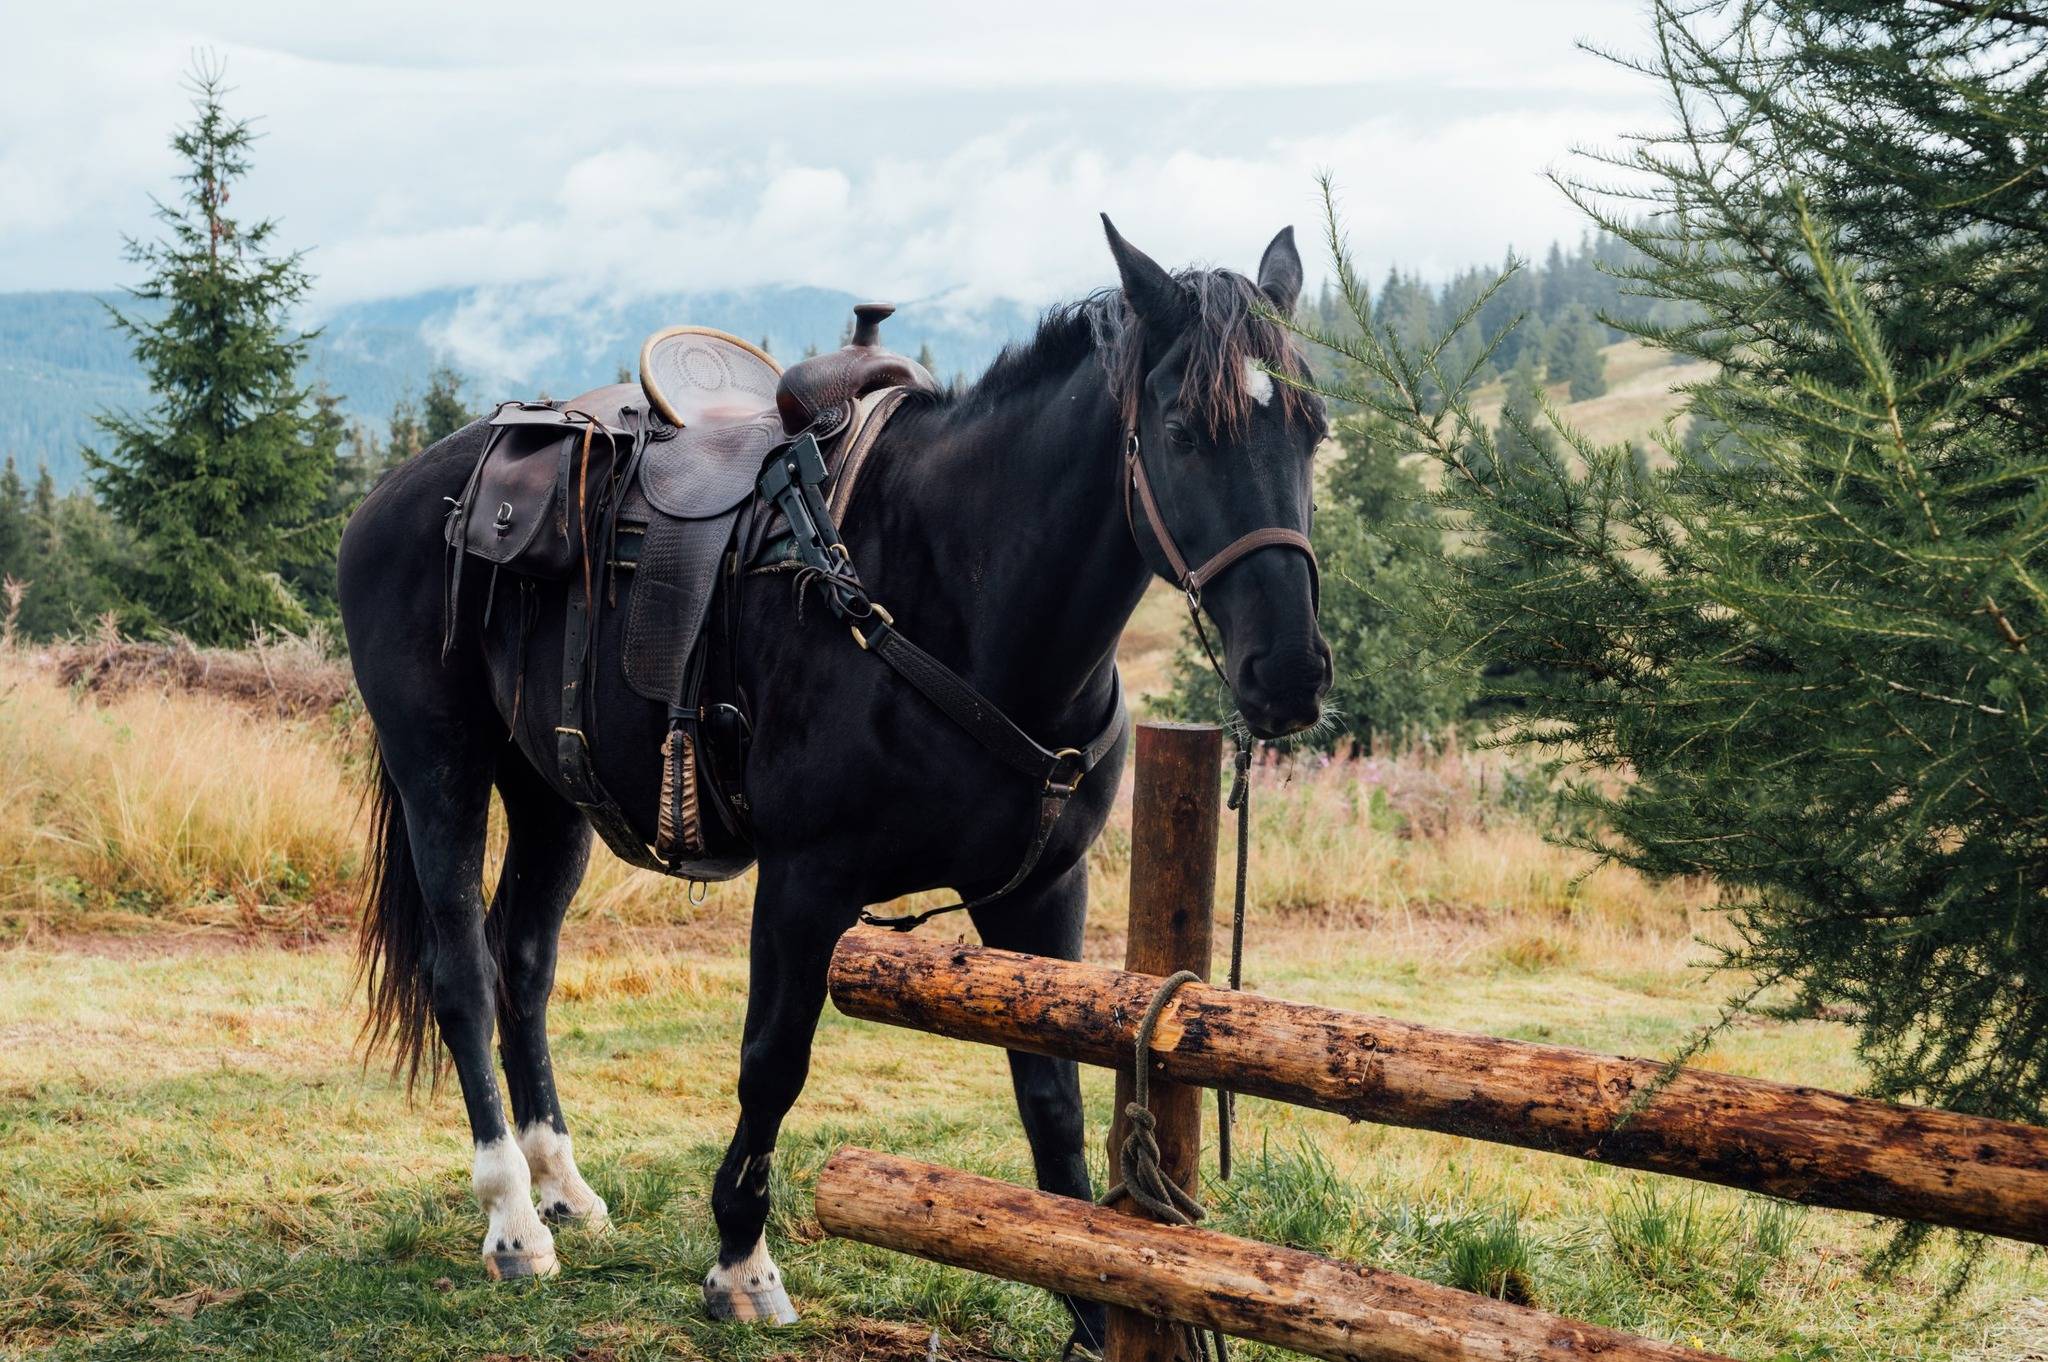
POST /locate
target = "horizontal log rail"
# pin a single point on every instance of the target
(1803, 1144)
(1285, 1297)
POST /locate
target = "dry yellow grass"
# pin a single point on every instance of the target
(164, 805)
(1146, 653)
(185, 810)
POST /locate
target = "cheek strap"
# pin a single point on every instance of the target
(1191, 580)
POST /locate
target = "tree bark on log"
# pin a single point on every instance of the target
(1803, 1144)
(1285, 1297)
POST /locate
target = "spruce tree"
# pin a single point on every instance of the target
(75, 557)
(1812, 666)
(222, 481)
(406, 432)
(443, 411)
(14, 522)
(1575, 356)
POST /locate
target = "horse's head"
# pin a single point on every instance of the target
(1218, 450)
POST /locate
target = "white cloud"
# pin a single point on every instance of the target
(945, 151)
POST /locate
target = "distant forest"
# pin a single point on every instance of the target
(1562, 301)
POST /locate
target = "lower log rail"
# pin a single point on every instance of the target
(1285, 1297)
(1803, 1144)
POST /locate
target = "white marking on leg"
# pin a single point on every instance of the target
(1257, 382)
(504, 1191)
(556, 1182)
(752, 1275)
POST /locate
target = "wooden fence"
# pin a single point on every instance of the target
(1802, 1144)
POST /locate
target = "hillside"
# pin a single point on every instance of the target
(1641, 392)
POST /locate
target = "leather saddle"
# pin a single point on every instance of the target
(653, 486)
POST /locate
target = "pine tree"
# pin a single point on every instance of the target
(222, 481)
(75, 555)
(1574, 354)
(443, 411)
(1812, 667)
(313, 580)
(14, 521)
(43, 510)
(406, 432)
(926, 358)
(1523, 433)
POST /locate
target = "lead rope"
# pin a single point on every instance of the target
(1145, 1182)
(1240, 800)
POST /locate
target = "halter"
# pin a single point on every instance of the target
(1192, 580)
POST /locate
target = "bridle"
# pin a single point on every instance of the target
(1191, 580)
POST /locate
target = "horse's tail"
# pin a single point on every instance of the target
(393, 946)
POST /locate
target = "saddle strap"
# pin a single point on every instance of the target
(572, 745)
(1059, 773)
(980, 716)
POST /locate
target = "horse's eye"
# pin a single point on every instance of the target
(1179, 437)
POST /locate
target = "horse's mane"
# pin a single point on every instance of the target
(1229, 335)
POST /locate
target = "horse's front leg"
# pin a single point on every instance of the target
(1048, 921)
(794, 932)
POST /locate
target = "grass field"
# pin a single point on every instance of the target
(193, 1161)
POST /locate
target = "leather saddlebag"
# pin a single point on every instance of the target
(544, 474)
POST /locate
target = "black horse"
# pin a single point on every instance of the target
(997, 526)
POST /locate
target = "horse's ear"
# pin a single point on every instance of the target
(1154, 296)
(1280, 272)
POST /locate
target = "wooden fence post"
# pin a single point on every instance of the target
(1174, 811)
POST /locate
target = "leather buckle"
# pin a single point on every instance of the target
(875, 611)
(1053, 786)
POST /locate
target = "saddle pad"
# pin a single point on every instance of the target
(672, 589)
(695, 375)
(706, 470)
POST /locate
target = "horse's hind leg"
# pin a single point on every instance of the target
(445, 789)
(547, 848)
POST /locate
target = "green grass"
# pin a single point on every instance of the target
(192, 1163)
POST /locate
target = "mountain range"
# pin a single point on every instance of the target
(62, 360)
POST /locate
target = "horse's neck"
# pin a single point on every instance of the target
(1025, 570)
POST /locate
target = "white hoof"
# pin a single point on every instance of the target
(563, 1194)
(749, 1290)
(517, 1244)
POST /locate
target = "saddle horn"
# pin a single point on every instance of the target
(867, 322)
(823, 388)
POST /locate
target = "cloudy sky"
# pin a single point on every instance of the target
(942, 148)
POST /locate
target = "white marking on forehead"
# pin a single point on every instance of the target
(1257, 382)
